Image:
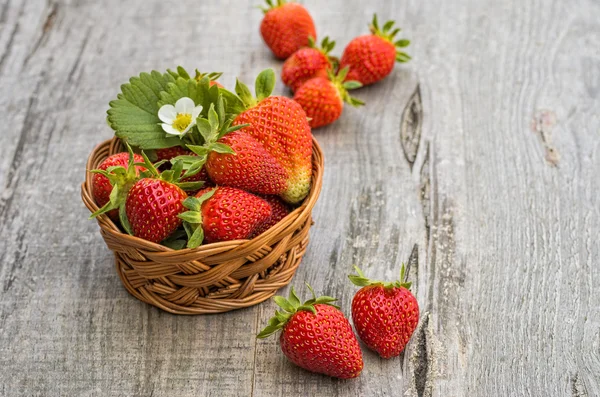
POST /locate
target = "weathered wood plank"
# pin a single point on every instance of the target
(483, 152)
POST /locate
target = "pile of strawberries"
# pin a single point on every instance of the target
(204, 164)
(320, 81)
(224, 166)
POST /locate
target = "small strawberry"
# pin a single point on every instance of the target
(101, 185)
(316, 336)
(385, 314)
(223, 214)
(152, 207)
(371, 57)
(286, 27)
(281, 126)
(307, 63)
(279, 210)
(322, 98)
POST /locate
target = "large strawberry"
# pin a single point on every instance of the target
(102, 186)
(223, 214)
(279, 210)
(286, 27)
(385, 314)
(371, 57)
(316, 336)
(281, 126)
(307, 63)
(322, 98)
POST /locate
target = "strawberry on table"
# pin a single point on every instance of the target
(316, 336)
(286, 27)
(385, 314)
(371, 57)
(322, 98)
(223, 214)
(307, 63)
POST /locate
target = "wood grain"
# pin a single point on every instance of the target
(483, 153)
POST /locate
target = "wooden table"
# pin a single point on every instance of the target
(478, 162)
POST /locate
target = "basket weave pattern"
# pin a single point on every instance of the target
(212, 278)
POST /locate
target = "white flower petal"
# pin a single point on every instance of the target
(167, 114)
(168, 128)
(196, 112)
(184, 105)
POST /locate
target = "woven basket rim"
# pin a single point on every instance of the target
(241, 247)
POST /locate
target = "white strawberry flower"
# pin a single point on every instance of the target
(179, 119)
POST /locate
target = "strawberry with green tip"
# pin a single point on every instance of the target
(223, 214)
(286, 27)
(316, 336)
(371, 57)
(281, 126)
(385, 314)
(307, 63)
(323, 98)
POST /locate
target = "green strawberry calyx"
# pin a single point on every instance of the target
(388, 34)
(344, 86)
(291, 306)
(360, 280)
(272, 4)
(211, 76)
(326, 47)
(192, 219)
(263, 87)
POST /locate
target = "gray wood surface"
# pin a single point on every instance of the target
(477, 162)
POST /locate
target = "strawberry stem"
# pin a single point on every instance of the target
(359, 279)
(387, 34)
(291, 306)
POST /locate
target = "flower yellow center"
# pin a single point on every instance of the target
(182, 121)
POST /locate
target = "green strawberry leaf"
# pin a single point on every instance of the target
(264, 84)
(134, 114)
(197, 238)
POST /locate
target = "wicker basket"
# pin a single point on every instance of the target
(212, 278)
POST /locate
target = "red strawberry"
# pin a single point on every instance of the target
(371, 57)
(279, 210)
(223, 214)
(280, 125)
(307, 63)
(152, 207)
(323, 98)
(101, 186)
(248, 167)
(286, 27)
(385, 315)
(316, 336)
